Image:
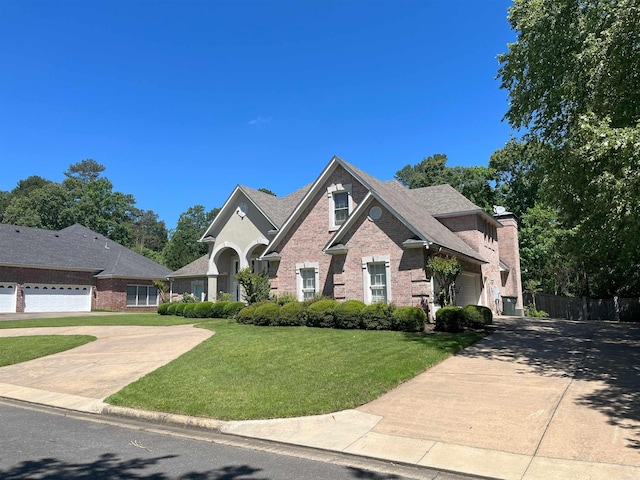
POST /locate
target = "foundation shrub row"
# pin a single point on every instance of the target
(457, 319)
(202, 309)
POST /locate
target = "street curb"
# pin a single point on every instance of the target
(162, 418)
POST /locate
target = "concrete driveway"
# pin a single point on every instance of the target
(81, 378)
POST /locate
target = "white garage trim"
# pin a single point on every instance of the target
(57, 298)
(8, 297)
(468, 289)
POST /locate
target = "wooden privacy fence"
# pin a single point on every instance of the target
(584, 308)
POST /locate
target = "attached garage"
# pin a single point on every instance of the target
(468, 289)
(57, 298)
(7, 298)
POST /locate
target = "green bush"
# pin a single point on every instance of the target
(285, 298)
(171, 310)
(450, 319)
(348, 314)
(231, 309)
(180, 308)
(320, 313)
(377, 316)
(477, 316)
(291, 314)
(217, 309)
(531, 311)
(246, 314)
(163, 309)
(408, 319)
(189, 310)
(266, 314)
(488, 315)
(202, 309)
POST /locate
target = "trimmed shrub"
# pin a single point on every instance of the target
(180, 308)
(408, 319)
(291, 314)
(348, 314)
(163, 309)
(285, 298)
(231, 309)
(171, 310)
(320, 313)
(189, 310)
(246, 314)
(450, 319)
(217, 309)
(266, 314)
(476, 316)
(202, 309)
(377, 316)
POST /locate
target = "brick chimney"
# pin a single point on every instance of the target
(509, 252)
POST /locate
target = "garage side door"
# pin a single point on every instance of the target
(7, 298)
(468, 289)
(57, 298)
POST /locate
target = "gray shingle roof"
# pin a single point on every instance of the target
(76, 248)
(197, 268)
(277, 209)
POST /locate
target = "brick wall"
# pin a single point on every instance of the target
(510, 254)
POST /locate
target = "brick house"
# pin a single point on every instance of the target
(349, 235)
(74, 269)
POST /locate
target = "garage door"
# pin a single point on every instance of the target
(467, 289)
(7, 298)
(57, 298)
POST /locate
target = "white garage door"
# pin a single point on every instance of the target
(467, 289)
(7, 298)
(57, 298)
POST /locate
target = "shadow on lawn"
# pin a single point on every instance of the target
(601, 352)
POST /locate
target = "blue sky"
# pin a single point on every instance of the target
(182, 100)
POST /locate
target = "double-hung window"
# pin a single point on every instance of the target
(142, 296)
(376, 279)
(340, 204)
(307, 280)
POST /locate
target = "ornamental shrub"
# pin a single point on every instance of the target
(348, 314)
(320, 313)
(189, 310)
(377, 316)
(180, 308)
(285, 298)
(217, 309)
(408, 319)
(171, 309)
(450, 319)
(291, 314)
(266, 314)
(163, 308)
(246, 314)
(231, 309)
(477, 316)
(203, 309)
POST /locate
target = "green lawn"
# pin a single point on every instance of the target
(145, 319)
(20, 349)
(248, 372)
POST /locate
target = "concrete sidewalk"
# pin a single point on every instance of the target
(537, 399)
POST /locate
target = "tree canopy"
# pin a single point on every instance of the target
(573, 77)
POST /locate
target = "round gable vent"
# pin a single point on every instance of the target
(375, 213)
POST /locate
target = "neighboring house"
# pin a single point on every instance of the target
(74, 269)
(351, 236)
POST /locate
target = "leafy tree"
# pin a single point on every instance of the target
(85, 171)
(183, 246)
(473, 182)
(4, 201)
(255, 286)
(573, 83)
(148, 231)
(446, 271)
(40, 205)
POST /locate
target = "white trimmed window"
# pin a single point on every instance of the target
(142, 296)
(307, 280)
(376, 278)
(340, 204)
(197, 289)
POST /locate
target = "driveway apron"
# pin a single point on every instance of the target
(119, 356)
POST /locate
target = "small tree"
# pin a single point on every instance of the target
(446, 271)
(255, 286)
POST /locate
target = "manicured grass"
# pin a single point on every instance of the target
(20, 349)
(248, 372)
(143, 319)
